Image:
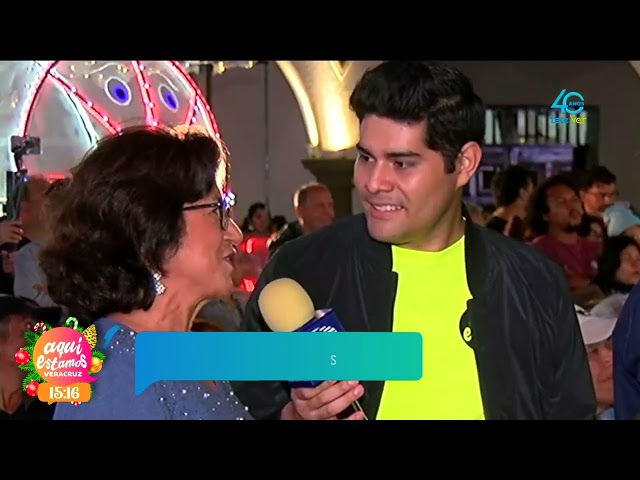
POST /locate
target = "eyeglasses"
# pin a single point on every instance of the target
(222, 206)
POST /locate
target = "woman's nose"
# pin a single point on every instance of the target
(233, 233)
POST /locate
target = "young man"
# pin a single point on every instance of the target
(501, 338)
(554, 218)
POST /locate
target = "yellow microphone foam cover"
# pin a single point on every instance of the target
(285, 306)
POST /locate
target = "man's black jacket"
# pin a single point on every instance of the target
(531, 359)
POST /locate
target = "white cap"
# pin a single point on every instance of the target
(594, 329)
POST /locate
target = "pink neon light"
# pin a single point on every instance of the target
(199, 96)
(144, 85)
(248, 285)
(191, 111)
(95, 111)
(33, 94)
(51, 177)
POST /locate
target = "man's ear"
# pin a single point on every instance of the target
(468, 162)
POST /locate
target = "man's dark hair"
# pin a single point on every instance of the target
(599, 174)
(121, 217)
(507, 183)
(538, 205)
(414, 91)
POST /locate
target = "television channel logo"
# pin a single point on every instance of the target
(569, 106)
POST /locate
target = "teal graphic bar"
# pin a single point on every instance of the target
(166, 356)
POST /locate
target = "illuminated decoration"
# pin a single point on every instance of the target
(304, 101)
(228, 200)
(71, 104)
(218, 67)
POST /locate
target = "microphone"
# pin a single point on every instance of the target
(298, 315)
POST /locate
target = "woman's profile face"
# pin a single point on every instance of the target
(203, 263)
(629, 271)
(260, 221)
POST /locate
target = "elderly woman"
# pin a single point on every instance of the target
(140, 239)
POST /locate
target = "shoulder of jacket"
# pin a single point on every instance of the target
(517, 257)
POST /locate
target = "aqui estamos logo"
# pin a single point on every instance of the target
(569, 106)
(60, 362)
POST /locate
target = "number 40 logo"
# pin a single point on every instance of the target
(567, 106)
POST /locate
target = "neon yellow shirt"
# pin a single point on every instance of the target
(431, 299)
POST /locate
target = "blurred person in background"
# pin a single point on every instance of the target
(511, 189)
(595, 229)
(596, 333)
(618, 273)
(554, 217)
(256, 230)
(257, 221)
(29, 281)
(17, 316)
(599, 189)
(313, 204)
(29, 225)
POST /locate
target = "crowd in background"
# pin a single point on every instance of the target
(578, 221)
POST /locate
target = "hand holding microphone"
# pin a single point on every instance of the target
(310, 400)
(327, 400)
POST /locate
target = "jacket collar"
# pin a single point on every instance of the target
(377, 259)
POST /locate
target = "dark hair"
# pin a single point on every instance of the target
(253, 209)
(278, 222)
(538, 206)
(22, 306)
(121, 217)
(599, 174)
(415, 91)
(609, 263)
(507, 183)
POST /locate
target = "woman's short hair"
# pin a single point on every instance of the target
(120, 217)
